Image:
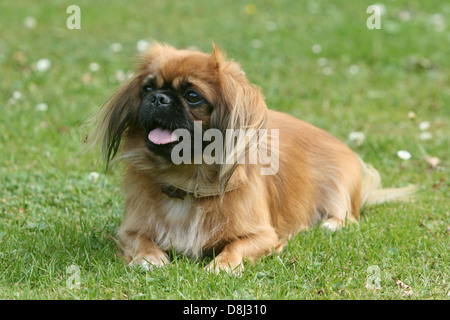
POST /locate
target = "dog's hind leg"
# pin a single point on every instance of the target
(341, 206)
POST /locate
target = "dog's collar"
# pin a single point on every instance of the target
(197, 191)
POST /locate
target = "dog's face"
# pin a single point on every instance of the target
(178, 88)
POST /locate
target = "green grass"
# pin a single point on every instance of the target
(52, 216)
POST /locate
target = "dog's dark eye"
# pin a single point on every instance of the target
(147, 88)
(193, 98)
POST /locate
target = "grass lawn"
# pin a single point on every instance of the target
(316, 60)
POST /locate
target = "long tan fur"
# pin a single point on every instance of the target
(372, 192)
(317, 177)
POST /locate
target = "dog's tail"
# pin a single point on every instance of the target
(372, 193)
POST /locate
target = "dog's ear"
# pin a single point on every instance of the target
(241, 106)
(117, 115)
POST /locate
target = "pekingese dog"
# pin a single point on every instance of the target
(209, 169)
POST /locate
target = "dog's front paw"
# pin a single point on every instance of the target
(150, 261)
(223, 263)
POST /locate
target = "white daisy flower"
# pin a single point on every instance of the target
(271, 25)
(438, 22)
(30, 22)
(93, 176)
(327, 70)
(322, 62)
(119, 76)
(17, 95)
(357, 137)
(43, 64)
(41, 107)
(256, 43)
(94, 66)
(404, 155)
(142, 45)
(425, 136)
(116, 47)
(424, 125)
(353, 69)
(404, 15)
(316, 48)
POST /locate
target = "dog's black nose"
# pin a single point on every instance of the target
(160, 99)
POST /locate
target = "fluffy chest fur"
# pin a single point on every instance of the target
(179, 225)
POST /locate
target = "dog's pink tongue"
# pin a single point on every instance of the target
(161, 136)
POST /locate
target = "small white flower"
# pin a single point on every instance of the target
(424, 125)
(327, 71)
(404, 155)
(30, 22)
(17, 95)
(411, 115)
(43, 65)
(439, 27)
(93, 176)
(116, 47)
(437, 18)
(41, 107)
(404, 15)
(316, 48)
(271, 25)
(438, 22)
(322, 62)
(142, 45)
(353, 69)
(94, 66)
(120, 76)
(256, 43)
(357, 137)
(425, 136)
